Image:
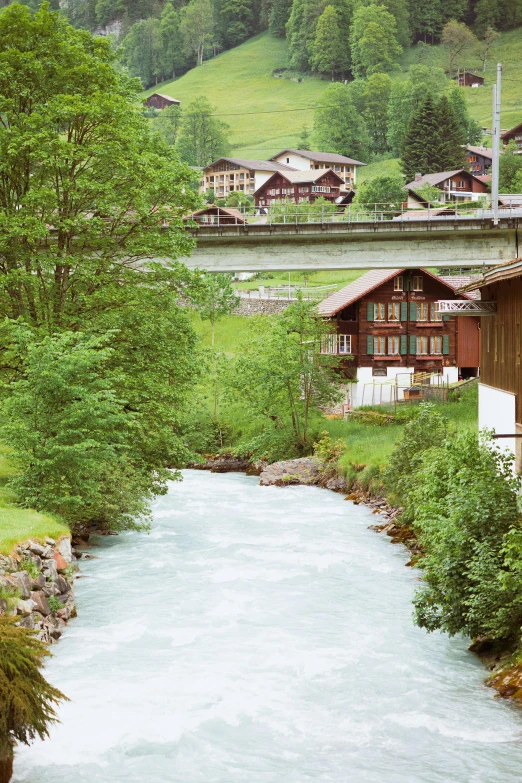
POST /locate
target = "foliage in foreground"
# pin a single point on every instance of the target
(27, 700)
(461, 495)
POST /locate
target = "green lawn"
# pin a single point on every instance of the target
(17, 524)
(339, 278)
(266, 114)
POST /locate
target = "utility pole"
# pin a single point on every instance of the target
(496, 144)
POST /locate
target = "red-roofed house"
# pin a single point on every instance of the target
(299, 186)
(387, 325)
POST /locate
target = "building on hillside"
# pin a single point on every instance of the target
(388, 327)
(159, 101)
(299, 187)
(458, 185)
(469, 79)
(226, 175)
(218, 216)
(479, 160)
(304, 160)
(500, 388)
(515, 134)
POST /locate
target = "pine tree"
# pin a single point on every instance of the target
(27, 700)
(327, 50)
(400, 11)
(376, 97)
(450, 153)
(301, 32)
(422, 138)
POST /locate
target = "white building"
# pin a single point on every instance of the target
(306, 159)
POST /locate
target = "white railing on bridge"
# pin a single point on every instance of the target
(314, 293)
(289, 214)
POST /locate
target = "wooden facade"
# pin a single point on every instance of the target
(479, 160)
(469, 79)
(395, 324)
(454, 185)
(218, 216)
(159, 101)
(515, 134)
(299, 187)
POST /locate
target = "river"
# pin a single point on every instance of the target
(263, 635)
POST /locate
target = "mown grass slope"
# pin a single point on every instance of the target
(18, 524)
(239, 82)
(266, 114)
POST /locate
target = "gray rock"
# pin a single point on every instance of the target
(50, 541)
(3, 606)
(38, 583)
(27, 622)
(23, 583)
(65, 549)
(49, 589)
(36, 549)
(24, 608)
(62, 584)
(41, 603)
(50, 570)
(293, 471)
(48, 552)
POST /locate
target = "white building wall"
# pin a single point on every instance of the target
(364, 393)
(497, 412)
(296, 161)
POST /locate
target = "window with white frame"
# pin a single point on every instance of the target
(379, 312)
(345, 344)
(393, 346)
(394, 311)
(436, 345)
(379, 346)
(418, 283)
(398, 283)
(435, 315)
(329, 343)
(422, 311)
(422, 346)
(320, 189)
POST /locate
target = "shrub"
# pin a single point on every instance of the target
(327, 450)
(54, 604)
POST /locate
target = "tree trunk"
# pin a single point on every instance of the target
(6, 769)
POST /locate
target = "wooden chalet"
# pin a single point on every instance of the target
(515, 134)
(304, 160)
(159, 101)
(479, 160)
(469, 79)
(387, 325)
(500, 388)
(458, 185)
(218, 216)
(299, 186)
(226, 175)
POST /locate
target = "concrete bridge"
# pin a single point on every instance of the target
(456, 241)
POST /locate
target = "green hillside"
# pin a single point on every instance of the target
(266, 113)
(240, 81)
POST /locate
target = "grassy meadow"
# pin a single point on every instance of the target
(266, 114)
(17, 524)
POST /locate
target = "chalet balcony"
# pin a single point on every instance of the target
(338, 345)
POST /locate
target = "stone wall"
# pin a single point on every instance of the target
(261, 306)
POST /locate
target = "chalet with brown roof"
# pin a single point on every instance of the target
(469, 79)
(299, 186)
(458, 185)
(479, 160)
(218, 216)
(159, 101)
(226, 175)
(388, 327)
(515, 134)
(304, 160)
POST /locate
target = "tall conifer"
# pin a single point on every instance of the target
(422, 138)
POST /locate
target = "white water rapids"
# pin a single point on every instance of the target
(263, 635)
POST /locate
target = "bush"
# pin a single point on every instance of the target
(370, 478)
(327, 450)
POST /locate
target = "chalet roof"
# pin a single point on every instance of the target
(253, 165)
(462, 281)
(506, 271)
(165, 97)
(516, 129)
(367, 283)
(486, 152)
(322, 157)
(297, 177)
(435, 179)
(230, 211)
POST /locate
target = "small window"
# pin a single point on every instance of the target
(394, 311)
(288, 160)
(379, 312)
(462, 183)
(418, 283)
(393, 346)
(345, 343)
(436, 345)
(422, 346)
(398, 283)
(435, 315)
(379, 346)
(422, 311)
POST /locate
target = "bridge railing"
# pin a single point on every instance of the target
(296, 214)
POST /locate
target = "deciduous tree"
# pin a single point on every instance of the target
(217, 299)
(458, 39)
(373, 40)
(337, 125)
(197, 26)
(202, 137)
(376, 98)
(327, 49)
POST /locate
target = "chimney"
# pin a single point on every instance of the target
(418, 176)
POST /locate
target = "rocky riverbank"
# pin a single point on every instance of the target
(36, 585)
